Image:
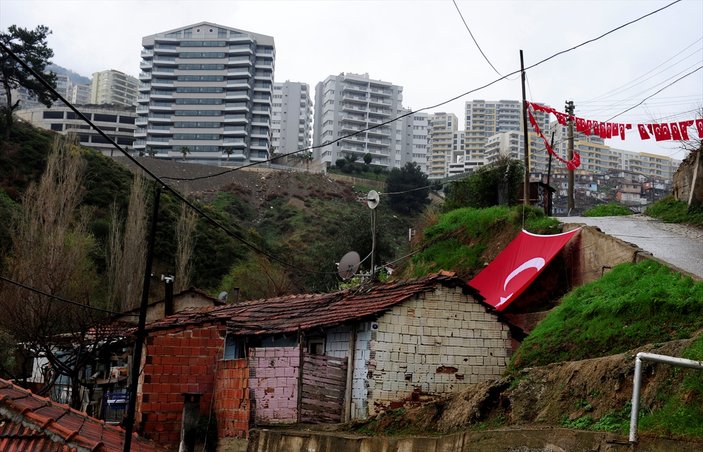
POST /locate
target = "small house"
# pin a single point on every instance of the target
(318, 358)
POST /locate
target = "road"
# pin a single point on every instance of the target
(680, 245)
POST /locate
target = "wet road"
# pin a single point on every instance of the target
(680, 245)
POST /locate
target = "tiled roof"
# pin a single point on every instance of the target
(29, 422)
(290, 313)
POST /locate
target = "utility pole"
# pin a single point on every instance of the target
(570, 155)
(526, 188)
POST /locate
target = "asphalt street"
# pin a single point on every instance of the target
(680, 245)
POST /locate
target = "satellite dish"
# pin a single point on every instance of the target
(372, 199)
(348, 265)
(222, 296)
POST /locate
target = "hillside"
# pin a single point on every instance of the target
(305, 220)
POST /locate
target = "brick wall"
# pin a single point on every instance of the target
(232, 400)
(176, 362)
(274, 383)
(439, 342)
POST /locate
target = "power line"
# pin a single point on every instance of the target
(655, 93)
(474, 39)
(63, 300)
(431, 107)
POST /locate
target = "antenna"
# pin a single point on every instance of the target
(348, 265)
(372, 199)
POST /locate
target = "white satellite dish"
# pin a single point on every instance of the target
(348, 265)
(372, 199)
(222, 296)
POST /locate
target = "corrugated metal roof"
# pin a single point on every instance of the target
(29, 422)
(290, 313)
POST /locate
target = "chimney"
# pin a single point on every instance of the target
(168, 299)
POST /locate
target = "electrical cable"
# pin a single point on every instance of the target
(431, 107)
(474, 39)
(654, 94)
(63, 300)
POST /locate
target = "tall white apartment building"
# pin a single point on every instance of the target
(442, 132)
(80, 94)
(206, 89)
(291, 117)
(349, 103)
(114, 88)
(414, 146)
(512, 145)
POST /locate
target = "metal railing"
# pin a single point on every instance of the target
(637, 382)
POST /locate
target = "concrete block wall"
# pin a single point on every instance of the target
(176, 361)
(273, 383)
(337, 342)
(232, 398)
(439, 342)
(360, 381)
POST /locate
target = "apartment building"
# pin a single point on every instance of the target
(349, 103)
(206, 89)
(114, 88)
(116, 121)
(291, 117)
(652, 165)
(80, 94)
(442, 132)
(512, 144)
(414, 144)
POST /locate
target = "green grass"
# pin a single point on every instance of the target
(608, 210)
(681, 413)
(632, 305)
(459, 237)
(673, 211)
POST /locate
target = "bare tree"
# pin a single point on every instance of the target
(185, 228)
(51, 250)
(127, 250)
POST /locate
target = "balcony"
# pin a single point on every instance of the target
(262, 86)
(240, 49)
(239, 61)
(147, 53)
(145, 65)
(240, 119)
(239, 72)
(157, 140)
(169, 61)
(357, 119)
(145, 87)
(234, 142)
(161, 95)
(141, 121)
(238, 106)
(143, 99)
(140, 133)
(237, 95)
(158, 70)
(162, 84)
(142, 109)
(235, 130)
(266, 64)
(231, 84)
(145, 76)
(161, 106)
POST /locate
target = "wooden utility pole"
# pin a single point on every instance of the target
(526, 188)
(570, 155)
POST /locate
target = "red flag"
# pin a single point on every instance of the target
(603, 133)
(580, 125)
(683, 127)
(589, 127)
(661, 132)
(561, 118)
(643, 132)
(596, 128)
(628, 126)
(622, 130)
(675, 134)
(608, 130)
(517, 266)
(699, 126)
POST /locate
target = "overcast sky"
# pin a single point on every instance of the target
(424, 47)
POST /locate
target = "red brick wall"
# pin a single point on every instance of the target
(232, 400)
(177, 361)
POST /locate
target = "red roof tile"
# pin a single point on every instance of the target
(290, 313)
(29, 422)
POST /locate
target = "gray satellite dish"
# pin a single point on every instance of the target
(222, 296)
(372, 199)
(348, 265)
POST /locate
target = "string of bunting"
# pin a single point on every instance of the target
(661, 132)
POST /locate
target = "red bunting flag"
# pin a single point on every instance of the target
(675, 134)
(699, 126)
(643, 132)
(661, 132)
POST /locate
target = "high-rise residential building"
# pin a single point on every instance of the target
(349, 103)
(80, 94)
(414, 144)
(116, 121)
(291, 117)
(113, 87)
(206, 91)
(442, 131)
(63, 85)
(512, 145)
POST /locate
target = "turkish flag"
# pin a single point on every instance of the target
(699, 126)
(683, 127)
(622, 130)
(596, 128)
(643, 132)
(581, 125)
(517, 266)
(608, 130)
(662, 132)
(561, 118)
(603, 131)
(675, 134)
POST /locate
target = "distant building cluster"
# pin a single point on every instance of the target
(207, 92)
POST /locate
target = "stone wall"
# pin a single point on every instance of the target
(683, 179)
(273, 383)
(176, 361)
(440, 342)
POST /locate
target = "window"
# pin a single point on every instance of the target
(234, 347)
(53, 115)
(57, 127)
